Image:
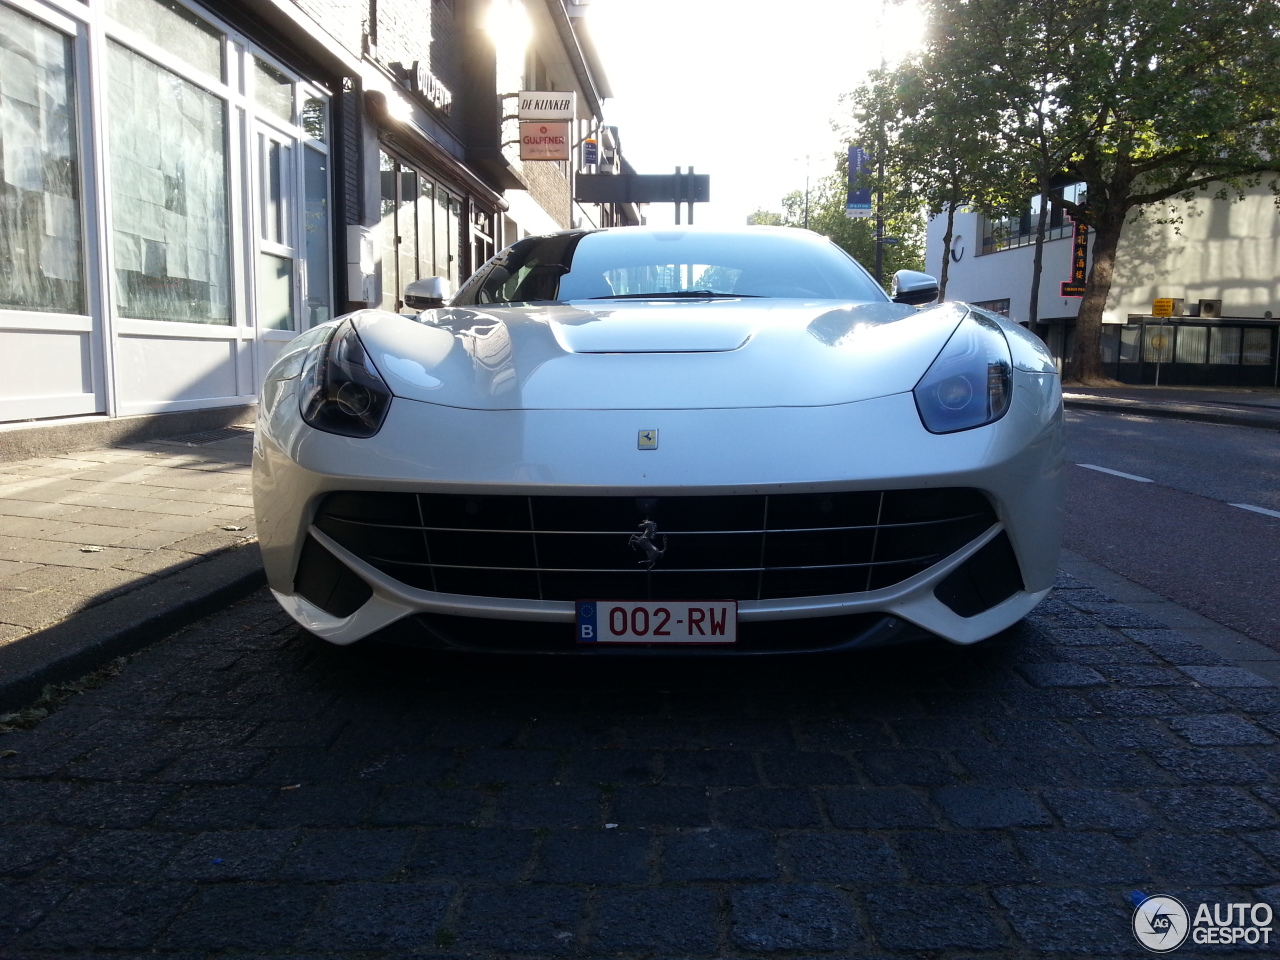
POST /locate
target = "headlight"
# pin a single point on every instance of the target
(341, 391)
(970, 382)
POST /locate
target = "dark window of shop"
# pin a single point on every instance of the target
(482, 237)
(421, 224)
(1193, 354)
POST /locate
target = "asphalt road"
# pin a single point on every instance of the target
(1174, 524)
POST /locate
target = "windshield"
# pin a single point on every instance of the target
(670, 264)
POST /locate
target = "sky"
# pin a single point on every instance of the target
(742, 90)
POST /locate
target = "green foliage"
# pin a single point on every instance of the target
(903, 221)
(1141, 100)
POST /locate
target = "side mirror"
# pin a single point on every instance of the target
(914, 287)
(426, 293)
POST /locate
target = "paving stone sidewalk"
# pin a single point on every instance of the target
(80, 530)
(243, 790)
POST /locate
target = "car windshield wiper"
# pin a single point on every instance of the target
(677, 294)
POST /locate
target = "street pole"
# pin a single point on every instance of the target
(880, 147)
(806, 191)
(880, 214)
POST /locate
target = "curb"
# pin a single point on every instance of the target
(87, 640)
(42, 438)
(1176, 412)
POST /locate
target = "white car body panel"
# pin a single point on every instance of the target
(767, 396)
(717, 354)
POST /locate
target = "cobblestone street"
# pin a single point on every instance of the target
(241, 789)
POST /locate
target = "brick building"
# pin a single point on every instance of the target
(185, 186)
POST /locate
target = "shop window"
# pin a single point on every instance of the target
(167, 146)
(448, 225)
(275, 292)
(1130, 345)
(1157, 344)
(1256, 347)
(315, 118)
(1224, 345)
(174, 29)
(272, 90)
(483, 246)
(387, 229)
(275, 238)
(276, 168)
(316, 239)
(40, 221)
(1193, 344)
(420, 223)
(1109, 343)
(426, 229)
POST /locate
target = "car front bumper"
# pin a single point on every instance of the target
(875, 444)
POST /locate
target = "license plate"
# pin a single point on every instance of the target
(663, 621)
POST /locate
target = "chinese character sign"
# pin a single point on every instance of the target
(1079, 261)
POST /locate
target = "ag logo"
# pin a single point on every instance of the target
(1161, 923)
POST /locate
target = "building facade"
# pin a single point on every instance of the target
(1218, 261)
(185, 186)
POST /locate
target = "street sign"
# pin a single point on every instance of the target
(590, 152)
(544, 140)
(1162, 307)
(642, 188)
(547, 105)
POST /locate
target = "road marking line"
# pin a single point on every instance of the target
(1263, 510)
(1114, 473)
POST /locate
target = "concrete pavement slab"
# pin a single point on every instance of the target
(104, 551)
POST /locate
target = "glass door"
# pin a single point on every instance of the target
(276, 249)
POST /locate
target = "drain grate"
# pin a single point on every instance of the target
(208, 436)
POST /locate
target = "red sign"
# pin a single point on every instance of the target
(544, 140)
(1079, 256)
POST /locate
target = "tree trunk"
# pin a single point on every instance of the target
(1087, 358)
(1037, 264)
(946, 249)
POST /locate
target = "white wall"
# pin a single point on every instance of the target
(1002, 275)
(1219, 251)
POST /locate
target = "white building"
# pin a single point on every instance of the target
(1220, 259)
(185, 186)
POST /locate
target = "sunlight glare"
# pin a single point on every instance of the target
(740, 91)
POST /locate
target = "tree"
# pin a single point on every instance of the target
(1141, 100)
(1185, 103)
(827, 195)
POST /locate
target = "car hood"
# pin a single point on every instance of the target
(656, 354)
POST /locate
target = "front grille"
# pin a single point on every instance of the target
(716, 547)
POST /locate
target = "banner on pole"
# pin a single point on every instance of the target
(858, 203)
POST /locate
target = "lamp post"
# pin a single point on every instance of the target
(806, 191)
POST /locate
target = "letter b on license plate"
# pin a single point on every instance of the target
(657, 621)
